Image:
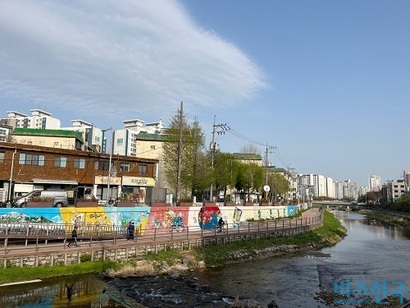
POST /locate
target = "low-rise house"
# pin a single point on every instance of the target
(27, 167)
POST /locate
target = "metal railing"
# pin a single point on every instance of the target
(18, 236)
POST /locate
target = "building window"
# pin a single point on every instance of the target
(120, 141)
(101, 165)
(142, 169)
(125, 167)
(60, 161)
(31, 159)
(152, 147)
(2, 155)
(79, 163)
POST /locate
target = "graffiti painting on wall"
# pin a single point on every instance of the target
(166, 219)
(237, 214)
(292, 210)
(208, 217)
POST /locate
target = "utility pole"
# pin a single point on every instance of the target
(267, 165)
(179, 155)
(219, 129)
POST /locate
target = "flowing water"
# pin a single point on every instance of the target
(373, 256)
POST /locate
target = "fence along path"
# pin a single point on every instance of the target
(40, 240)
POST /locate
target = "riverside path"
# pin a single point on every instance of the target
(36, 247)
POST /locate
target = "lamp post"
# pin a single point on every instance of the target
(109, 164)
(11, 175)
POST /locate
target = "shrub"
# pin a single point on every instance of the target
(85, 257)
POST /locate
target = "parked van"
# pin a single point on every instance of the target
(59, 197)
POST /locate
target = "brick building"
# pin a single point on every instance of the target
(25, 167)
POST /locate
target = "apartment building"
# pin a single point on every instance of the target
(94, 137)
(406, 178)
(330, 188)
(38, 119)
(126, 139)
(375, 183)
(392, 190)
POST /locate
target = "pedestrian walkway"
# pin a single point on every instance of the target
(53, 247)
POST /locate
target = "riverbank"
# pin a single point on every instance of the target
(386, 217)
(168, 279)
(175, 262)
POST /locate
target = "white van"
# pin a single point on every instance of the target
(59, 197)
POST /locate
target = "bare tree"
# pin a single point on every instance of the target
(250, 149)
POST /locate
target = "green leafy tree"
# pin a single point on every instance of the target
(203, 176)
(250, 177)
(224, 171)
(278, 184)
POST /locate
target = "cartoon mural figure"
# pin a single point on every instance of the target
(237, 214)
(77, 220)
(157, 223)
(169, 220)
(292, 210)
(208, 217)
(177, 223)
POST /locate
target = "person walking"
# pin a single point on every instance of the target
(130, 231)
(73, 237)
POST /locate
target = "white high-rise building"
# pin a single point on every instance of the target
(39, 119)
(339, 190)
(125, 140)
(406, 178)
(331, 188)
(350, 190)
(93, 136)
(375, 183)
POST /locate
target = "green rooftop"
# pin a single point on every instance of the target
(247, 156)
(47, 133)
(150, 137)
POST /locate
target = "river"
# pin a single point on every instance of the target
(373, 256)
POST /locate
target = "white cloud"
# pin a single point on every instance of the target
(138, 55)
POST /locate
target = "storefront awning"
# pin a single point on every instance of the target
(50, 181)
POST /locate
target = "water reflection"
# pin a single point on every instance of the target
(81, 291)
(370, 252)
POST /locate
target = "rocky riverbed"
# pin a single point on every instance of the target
(174, 290)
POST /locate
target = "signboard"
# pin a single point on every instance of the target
(137, 181)
(266, 188)
(104, 180)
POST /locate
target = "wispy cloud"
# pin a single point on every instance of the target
(136, 55)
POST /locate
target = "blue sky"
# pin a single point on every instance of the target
(325, 82)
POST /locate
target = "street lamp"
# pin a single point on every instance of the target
(11, 175)
(109, 164)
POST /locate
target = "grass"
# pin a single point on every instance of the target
(390, 219)
(169, 256)
(332, 228)
(14, 274)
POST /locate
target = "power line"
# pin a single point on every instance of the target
(250, 140)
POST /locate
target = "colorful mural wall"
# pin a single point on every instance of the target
(160, 219)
